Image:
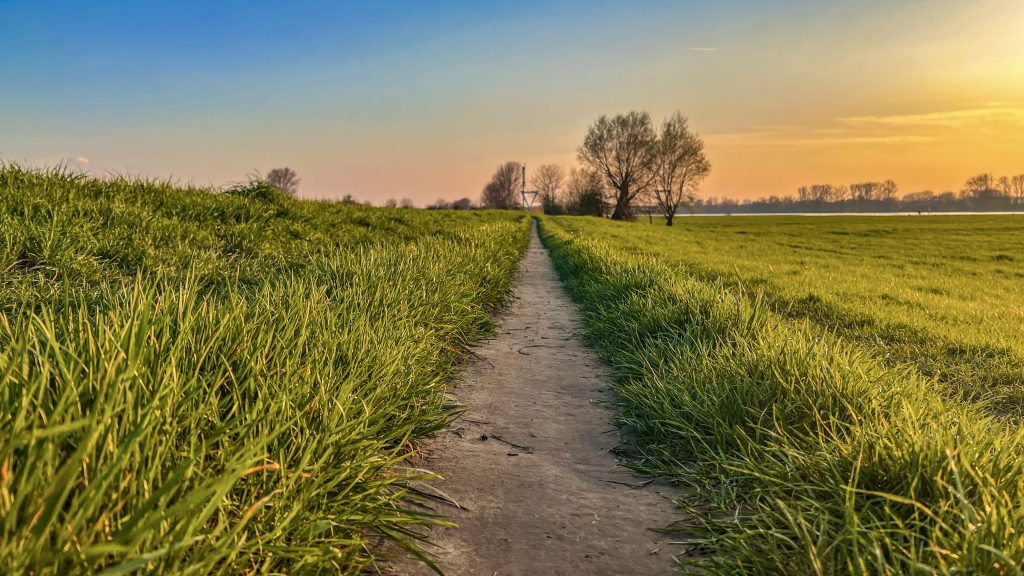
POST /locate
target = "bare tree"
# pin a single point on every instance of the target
(979, 186)
(406, 203)
(503, 189)
(1017, 187)
(1004, 186)
(584, 193)
(391, 203)
(622, 150)
(821, 193)
(840, 193)
(547, 180)
(680, 166)
(888, 190)
(284, 179)
(864, 191)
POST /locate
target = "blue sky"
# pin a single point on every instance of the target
(387, 99)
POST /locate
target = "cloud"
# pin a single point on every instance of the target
(842, 140)
(949, 119)
(885, 129)
(82, 161)
(701, 49)
(795, 136)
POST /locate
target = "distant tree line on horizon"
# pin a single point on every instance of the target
(630, 168)
(980, 193)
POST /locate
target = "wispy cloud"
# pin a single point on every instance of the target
(883, 130)
(812, 140)
(82, 161)
(1003, 115)
(798, 137)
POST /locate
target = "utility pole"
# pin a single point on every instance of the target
(524, 187)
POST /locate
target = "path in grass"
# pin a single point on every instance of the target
(531, 462)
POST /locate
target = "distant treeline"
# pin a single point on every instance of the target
(981, 193)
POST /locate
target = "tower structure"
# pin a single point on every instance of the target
(529, 197)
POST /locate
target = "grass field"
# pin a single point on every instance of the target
(233, 382)
(945, 294)
(199, 383)
(801, 375)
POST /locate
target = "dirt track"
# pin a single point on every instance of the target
(531, 460)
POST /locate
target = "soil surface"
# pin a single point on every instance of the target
(531, 462)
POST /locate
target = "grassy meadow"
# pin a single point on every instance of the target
(943, 293)
(202, 382)
(841, 394)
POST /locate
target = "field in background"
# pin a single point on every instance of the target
(200, 382)
(784, 369)
(943, 293)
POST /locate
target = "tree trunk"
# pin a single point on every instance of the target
(622, 210)
(668, 219)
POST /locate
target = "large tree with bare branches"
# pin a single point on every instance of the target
(503, 190)
(622, 150)
(680, 166)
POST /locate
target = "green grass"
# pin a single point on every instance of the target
(203, 383)
(804, 450)
(942, 293)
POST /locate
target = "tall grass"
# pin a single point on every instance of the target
(940, 292)
(203, 383)
(805, 454)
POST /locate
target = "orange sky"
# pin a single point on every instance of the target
(921, 151)
(392, 101)
(925, 93)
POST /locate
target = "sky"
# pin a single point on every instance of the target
(423, 100)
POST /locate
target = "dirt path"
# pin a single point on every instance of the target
(531, 461)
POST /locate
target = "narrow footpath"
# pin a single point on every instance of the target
(531, 462)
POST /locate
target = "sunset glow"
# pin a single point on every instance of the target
(391, 100)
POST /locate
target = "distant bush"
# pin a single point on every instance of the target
(257, 189)
(284, 179)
